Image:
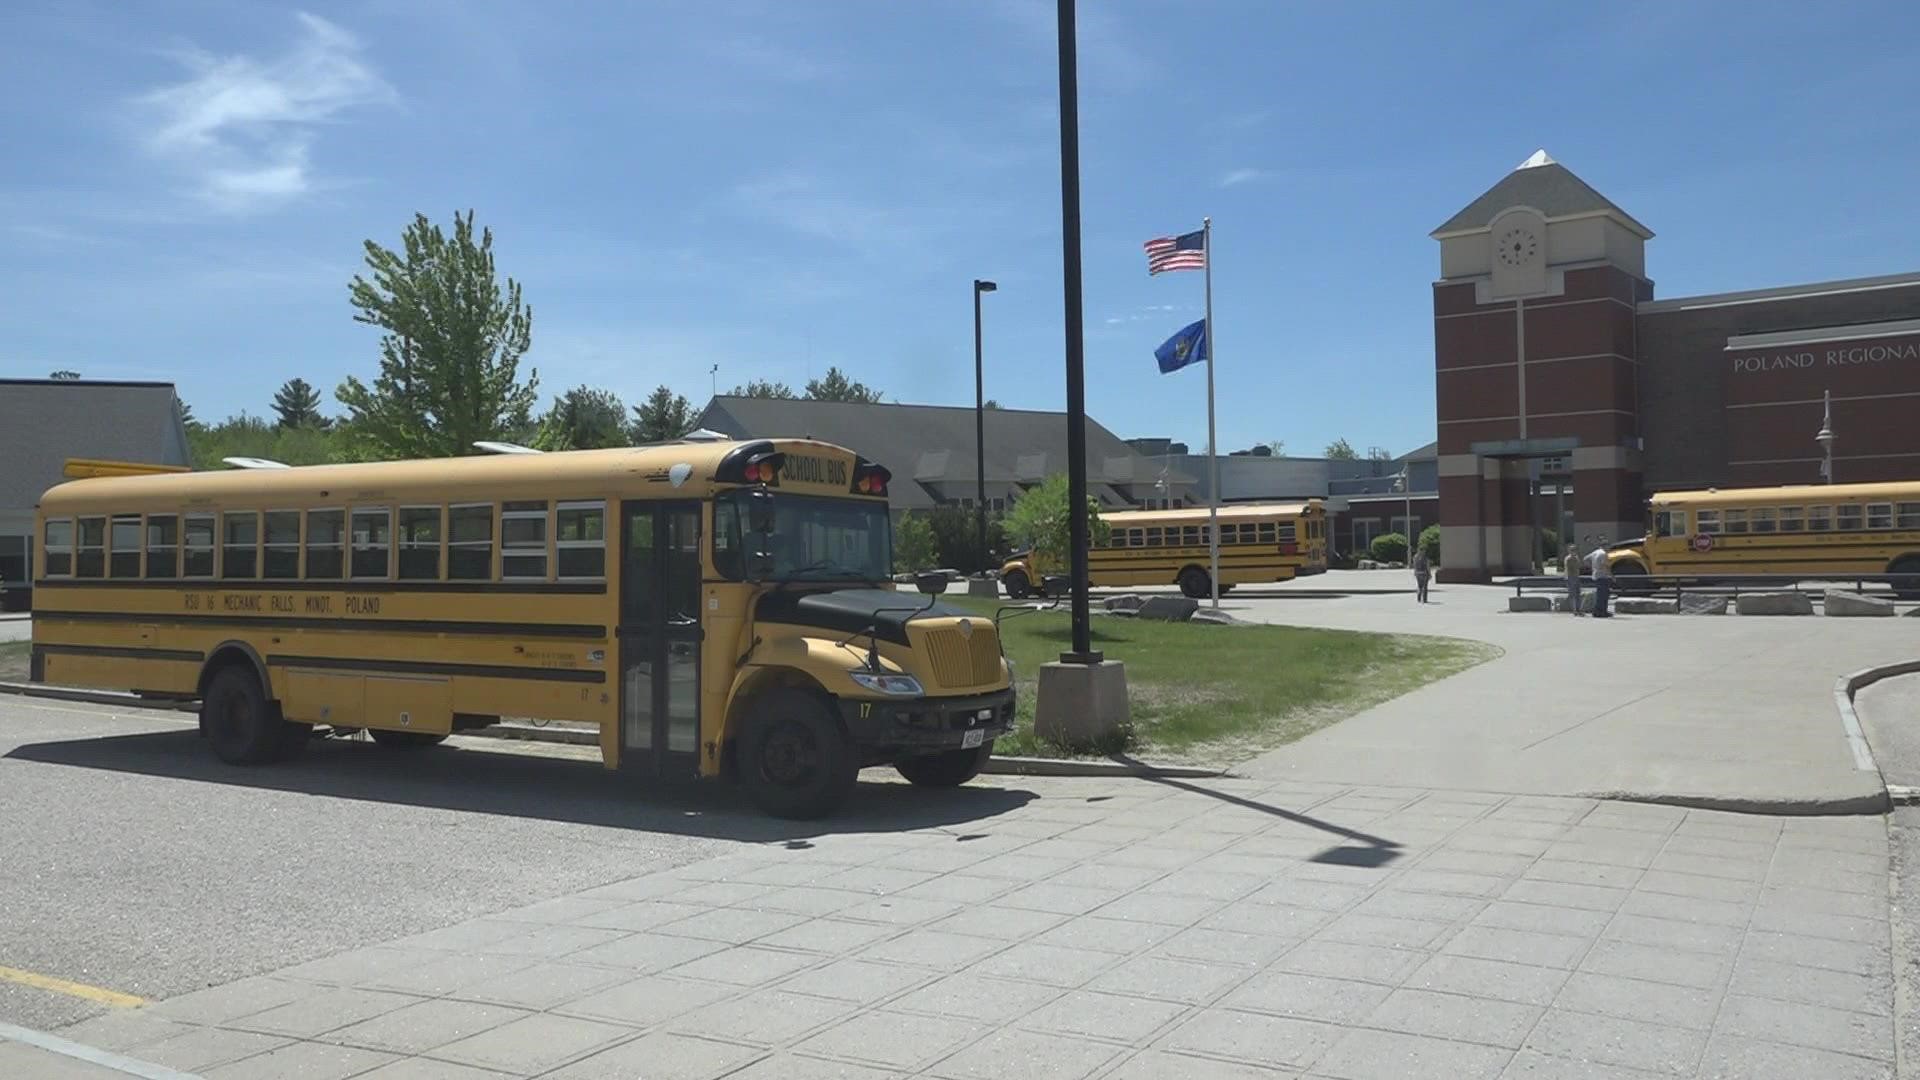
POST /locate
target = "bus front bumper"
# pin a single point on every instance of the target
(929, 722)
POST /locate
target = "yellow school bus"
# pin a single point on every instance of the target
(717, 608)
(1259, 542)
(1809, 529)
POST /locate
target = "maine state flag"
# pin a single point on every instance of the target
(1189, 346)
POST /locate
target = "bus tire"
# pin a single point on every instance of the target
(405, 740)
(794, 758)
(1907, 588)
(1016, 584)
(293, 740)
(241, 725)
(1630, 577)
(1194, 583)
(950, 768)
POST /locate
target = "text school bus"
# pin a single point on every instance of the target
(1259, 542)
(716, 608)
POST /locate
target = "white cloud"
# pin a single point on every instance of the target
(243, 128)
(1236, 177)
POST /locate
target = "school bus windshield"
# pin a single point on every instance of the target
(814, 539)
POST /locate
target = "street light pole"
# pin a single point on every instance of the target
(1405, 484)
(1825, 437)
(1076, 344)
(980, 426)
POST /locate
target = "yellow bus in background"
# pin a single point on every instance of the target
(713, 607)
(1811, 530)
(1259, 542)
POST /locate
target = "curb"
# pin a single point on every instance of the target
(1844, 688)
(1848, 806)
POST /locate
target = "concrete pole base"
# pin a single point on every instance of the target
(983, 587)
(1082, 705)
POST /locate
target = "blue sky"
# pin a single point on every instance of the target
(777, 187)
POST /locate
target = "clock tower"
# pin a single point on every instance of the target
(1536, 370)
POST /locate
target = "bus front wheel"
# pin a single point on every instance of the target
(405, 740)
(1194, 583)
(794, 757)
(1630, 577)
(950, 768)
(1016, 584)
(243, 727)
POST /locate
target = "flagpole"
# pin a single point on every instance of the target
(1213, 441)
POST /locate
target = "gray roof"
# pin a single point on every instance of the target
(930, 448)
(43, 422)
(1548, 187)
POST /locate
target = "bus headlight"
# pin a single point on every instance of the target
(893, 685)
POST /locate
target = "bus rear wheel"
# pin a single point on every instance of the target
(794, 758)
(1906, 586)
(1194, 583)
(950, 768)
(406, 740)
(1017, 585)
(242, 726)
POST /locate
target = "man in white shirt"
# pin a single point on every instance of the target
(1602, 579)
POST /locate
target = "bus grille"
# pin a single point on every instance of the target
(964, 660)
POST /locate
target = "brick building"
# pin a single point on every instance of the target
(1566, 393)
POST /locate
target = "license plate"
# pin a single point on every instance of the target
(972, 739)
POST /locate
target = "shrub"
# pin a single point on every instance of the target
(1430, 543)
(912, 544)
(1391, 547)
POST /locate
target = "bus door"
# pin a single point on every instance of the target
(659, 637)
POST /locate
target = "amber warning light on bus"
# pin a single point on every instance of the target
(870, 479)
(754, 463)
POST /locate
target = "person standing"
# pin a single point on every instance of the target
(1422, 569)
(1570, 565)
(1602, 580)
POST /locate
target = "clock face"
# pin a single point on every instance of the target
(1517, 247)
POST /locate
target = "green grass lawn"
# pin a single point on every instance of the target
(1219, 694)
(13, 660)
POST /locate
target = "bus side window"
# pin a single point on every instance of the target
(1819, 519)
(326, 545)
(90, 556)
(1153, 536)
(197, 538)
(1764, 520)
(56, 548)
(1736, 521)
(1190, 535)
(240, 545)
(1879, 515)
(1267, 532)
(1846, 518)
(282, 559)
(580, 540)
(420, 543)
(1670, 523)
(371, 541)
(470, 542)
(163, 546)
(123, 537)
(1709, 522)
(523, 541)
(1909, 515)
(1793, 519)
(726, 540)
(1136, 538)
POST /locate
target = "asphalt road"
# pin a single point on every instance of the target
(131, 859)
(1890, 714)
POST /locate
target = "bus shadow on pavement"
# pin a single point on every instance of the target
(529, 786)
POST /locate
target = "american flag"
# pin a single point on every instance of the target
(1188, 252)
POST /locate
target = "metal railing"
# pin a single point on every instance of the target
(1886, 586)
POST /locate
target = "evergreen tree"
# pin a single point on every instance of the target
(762, 388)
(298, 405)
(836, 386)
(583, 418)
(1341, 450)
(450, 355)
(664, 415)
(63, 375)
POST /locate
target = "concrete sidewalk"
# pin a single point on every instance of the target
(1125, 930)
(1712, 711)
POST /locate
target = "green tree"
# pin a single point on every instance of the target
(762, 388)
(63, 375)
(989, 404)
(956, 538)
(450, 357)
(664, 415)
(1279, 447)
(1388, 547)
(1039, 520)
(836, 386)
(187, 419)
(251, 436)
(298, 405)
(1430, 543)
(913, 544)
(1341, 450)
(583, 418)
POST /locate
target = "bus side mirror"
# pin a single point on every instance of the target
(930, 584)
(760, 511)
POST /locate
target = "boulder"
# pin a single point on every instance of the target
(1529, 603)
(1368, 564)
(1779, 603)
(1123, 602)
(1838, 602)
(1646, 606)
(1168, 608)
(1216, 616)
(1703, 605)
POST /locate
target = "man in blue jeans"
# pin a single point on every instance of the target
(1602, 579)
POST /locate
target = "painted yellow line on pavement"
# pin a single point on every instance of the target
(99, 995)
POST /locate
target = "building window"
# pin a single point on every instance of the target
(56, 549)
(1819, 519)
(1406, 526)
(124, 537)
(281, 561)
(15, 559)
(1764, 520)
(326, 544)
(470, 542)
(240, 538)
(1364, 530)
(163, 546)
(580, 540)
(1879, 515)
(196, 537)
(420, 543)
(1793, 519)
(1736, 522)
(523, 541)
(1909, 516)
(1847, 518)
(371, 541)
